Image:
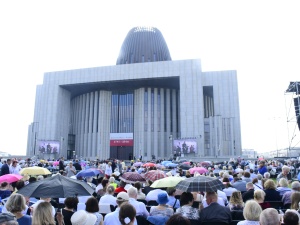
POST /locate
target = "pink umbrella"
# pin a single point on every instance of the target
(55, 163)
(149, 165)
(10, 178)
(188, 163)
(200, 170)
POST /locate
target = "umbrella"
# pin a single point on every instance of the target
(171, 165)
(205, 163)
(89, 173)
(138, 164)
(132, 177)
(167, 182)
(35, 170)
(149, 165)
(57, 186)
(200, 183)
(10, 178)
(165, 162)
(55, 163)
(185, 166)
(200, 170)
(154, 175)
(187, 163)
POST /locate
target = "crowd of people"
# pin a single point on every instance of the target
(264, 192)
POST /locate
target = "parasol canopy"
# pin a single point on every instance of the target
(200, 183)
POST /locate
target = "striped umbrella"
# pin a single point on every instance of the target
(154, 175)
(132, 177)
(200, 183)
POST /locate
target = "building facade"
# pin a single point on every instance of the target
(145, 106)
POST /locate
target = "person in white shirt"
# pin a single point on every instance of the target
(15, 168)
(113, 217)
(108, 170)
(139, 206)
(108, 198)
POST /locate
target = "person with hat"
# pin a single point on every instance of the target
(162, 209)
(82, 217)
(8, 218)
(113, 217)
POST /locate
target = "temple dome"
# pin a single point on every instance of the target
(143, 44)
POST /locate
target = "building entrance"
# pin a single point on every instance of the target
(121, 152)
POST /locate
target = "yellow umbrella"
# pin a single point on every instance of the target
(35, 170)
(167, 182)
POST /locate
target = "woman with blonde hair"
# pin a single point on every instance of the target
(270, 190)
(259, 197)
(295, 199)
(16, 204)
(236, 201)
(42, 215)
(251, 212)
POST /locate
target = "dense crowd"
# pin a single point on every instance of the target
(264, 192)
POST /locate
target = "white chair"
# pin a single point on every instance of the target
(104, 208)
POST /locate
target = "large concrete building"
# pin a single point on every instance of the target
(146, 105)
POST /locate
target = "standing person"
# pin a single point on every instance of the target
(5, 167)
(108, 170)
(61, 164)
(70, 170)
(77, 165)
(15, 168)
(262, 168)
(16, 204)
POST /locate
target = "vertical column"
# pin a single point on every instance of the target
(168, 122)
(95, 121)
(139, 147)
(81, 126)
(155, 131)
(90, 127)
(149, 152)
(162, 124)
(174, 114)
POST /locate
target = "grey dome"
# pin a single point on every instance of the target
(143, 44)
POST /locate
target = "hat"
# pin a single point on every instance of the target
(5, 217)
(81, 217)
(162, 198)
(117, 173)
(122, 196)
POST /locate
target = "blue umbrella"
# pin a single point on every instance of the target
(165, 162)
(89, 173)
(171, 165)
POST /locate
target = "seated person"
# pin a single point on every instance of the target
(162, 209)
(5, 190)
(236, 201)
(214, 212)
(186, 209)
(251, 213)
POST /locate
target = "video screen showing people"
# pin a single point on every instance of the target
(185, 146)
(49, 147)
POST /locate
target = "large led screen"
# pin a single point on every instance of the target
(185, 146)
(49, 147)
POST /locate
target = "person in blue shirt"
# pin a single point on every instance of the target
(262, 168)
(173, 202)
